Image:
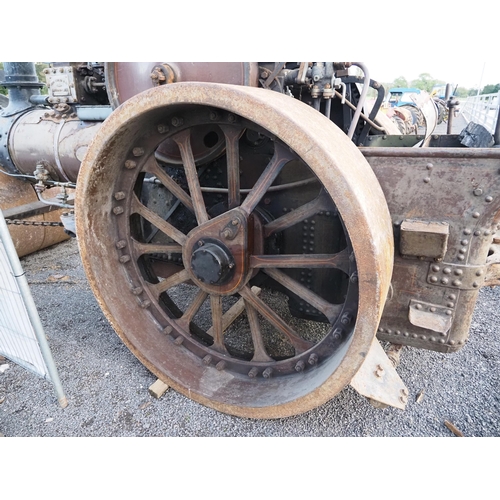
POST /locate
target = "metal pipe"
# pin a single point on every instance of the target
(22, 82)
(357, 113)
(34, 318)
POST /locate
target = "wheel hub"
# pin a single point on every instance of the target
(212, 262)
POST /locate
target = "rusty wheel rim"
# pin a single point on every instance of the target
(219, 253)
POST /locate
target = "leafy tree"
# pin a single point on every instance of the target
(491, 89)
(425, 82)
(400, 81)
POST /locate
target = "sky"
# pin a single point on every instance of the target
(475, 73)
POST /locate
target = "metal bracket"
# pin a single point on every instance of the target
(378, 380)
(456, 276)
(430, 316)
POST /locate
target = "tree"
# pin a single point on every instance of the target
(425, 82)
(491, 89)
(400, 81)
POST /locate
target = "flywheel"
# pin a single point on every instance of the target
(239, 244)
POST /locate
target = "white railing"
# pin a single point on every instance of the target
(482, 109)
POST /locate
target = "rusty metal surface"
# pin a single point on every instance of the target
(105, 202)
(378, 380)
(127, 79)
(29, 239)
(458, 187)
(61, 143)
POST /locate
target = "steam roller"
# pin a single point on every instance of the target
(236, 228)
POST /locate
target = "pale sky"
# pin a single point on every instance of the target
(455, 72)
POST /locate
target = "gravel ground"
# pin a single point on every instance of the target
(107, 388)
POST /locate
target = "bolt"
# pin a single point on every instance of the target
(137, 290)
(235, 222)
(168, 330)
(138, 151)
(120, 195)
(226, 234)
(130, 164)
(118, 210)
(207, 359)
(346, 318)
(162, 129)
(253, 372)
(267, 372)
(313, 359)
(124, 259)
(220, 365)
(145, 304)
(267, 201)
(201, 243)
(213, 115)
(300, 366)
(121, 244)
(478, 192)
(337, 333)
(177, 122)
(179, 340)
(231, 118)
(354, 278)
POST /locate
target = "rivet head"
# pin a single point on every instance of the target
(477, 233)
(433, 279)
(313, 359)
(418, 306)
(300, 366)
(444, 281)
(467, 231)
(460, 257)
(433, 309)
(479, 272)
(478, 192)
(429, 166)
(462, 251)
(475, 284)
(450, 304)
(448, 313)
(456, 283)
(464, 242)
(452, 296)
(458, 272)
(427, 180)
(476, 215)
(446, 270)
(488, 199)
(435, 268)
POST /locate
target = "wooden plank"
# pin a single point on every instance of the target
(158, 389)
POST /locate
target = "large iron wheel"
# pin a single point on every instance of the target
(175, 227)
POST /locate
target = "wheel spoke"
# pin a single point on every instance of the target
(217, 323)
(260, 353)
(193, 308)
(298, 215)
(156, 220)
(331, 311)
(282, 155)
(308, 261)
(233, 164)
(183, 140)
(175, 279)
(300, 345)
(148, 248)
(153, 168)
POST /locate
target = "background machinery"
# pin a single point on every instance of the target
(249, 229)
